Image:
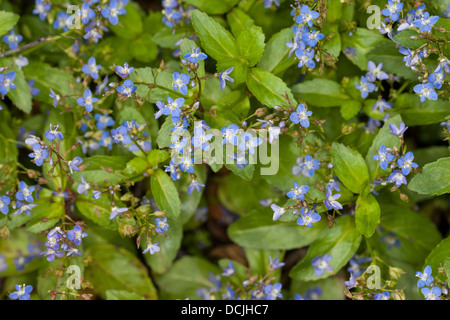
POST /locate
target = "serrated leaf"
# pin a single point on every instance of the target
(434, 179)
(165, 193)
(320, 92)
(349, 166)
(239, 21)
(250, 44)
(438, 258)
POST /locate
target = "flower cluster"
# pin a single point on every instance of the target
(60, 243)
(175, 13)
(431, 288)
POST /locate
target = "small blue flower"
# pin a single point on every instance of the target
(230, 134)
(426, 22)
(382, 296)
(384, 157)
(277, 211)
(393, 9)
(268, 3)
(91, 67)
(55, 97)
(275, 264)
(330, 201)
(398, 131)
(298, 192)
(432, 294)
(83, 187)
(195, 55)
(306, 58)
(301, 115)
(365, 87)
(310, 164)
(180, 81)
(307, 16)
(115, 211)
(127, 88)
(161, 225)
(405, 163)
(61, 21)
(42, 8)
(76, 235)
(321, 263)
(273, 292)
(73, 165)
(12, 40)
(229, 271)
(25, 192)
(249, 142)
(120, 135)
(201, 139)
(39, 154)
(224, 75)
(24, 208)
(103, 121)
(34, 91)
(6, 82)
(446, 124)
(425, 278)
(426, 91)
(195, 185)
(375, 72)
(124, 71)
(397, 177)
(312, 37)
(4, 204)
(391, 240)
(381, 105)
(112, 12)
(437, 79)
(297, 44)
(87, 100)
(86, 13)
(308, 217)
(351, 283)
(173, 108)
(22, 292)
(152, 248)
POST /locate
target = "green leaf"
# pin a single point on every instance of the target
(439, 257)
(257, 230)
(166, 39)
(447, 269)
(162, 261)
(320, 92)
(213, 6)
(144, 49)
(239, 21)
(136, 166)
(349, 167)
(216, 40)
(165, 193)
(7, 21)
(250, 43)
(367, 214)
(122, 295)
(114, 268)
(21, 96)
(240, 71)
(157, 156)
(340, 241)
(130, 24)
(334, 45)
(186, 276)
(350, 108)
(416, 113)
(384, 137)
(403, 38)
(98, 211)
(164, 135)
(268, 88)
(276, 58)
(434, 179)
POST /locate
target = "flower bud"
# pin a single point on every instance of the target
(4, 232)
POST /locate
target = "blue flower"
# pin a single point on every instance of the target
(298, 192)
(195, 185)
(86, 13)
(306, 58)
(228, 271)
(426, 22)
(432, 294)
(87, 100)
(152, 248)
(6, 82)
(34, 91)
(375, 72)
(173, 108)
(391, 240)
(171, 17)
(446, 124)
(321, 263)
(103, 121)
(425, 278)
(384, 157)
(397, 177)
(201, 140)
(76, 235)
(12, 40)
(437, 79)
(4, 203)
(124, 71)
(73, 165)
(310, 164)
(25, 192)
(127, 88)
(61, 21)
(22, 292)
(83, 187)
(273, 292)
(186, 166)
(312, 37)
(249, 142)
(224, 75)
(392, 10)
(308, 217)
(120, 135)
(115, 211)
(42, 8)
(426, 91)
(180, 81)
(382, 296)
(55, 97)
(230, 134)
(301, 115)
(365, 87)
(381, 105)
(112, 12)
(330, 201)
(268, 3)
(297, 44)
(161, 225)
(307, 15)
(275, 264)
(405, 163)
(351, 283)
(91, 67)
(195, 55)
(39, 154)
(23, 207)
(398, 131)
(277, 211)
